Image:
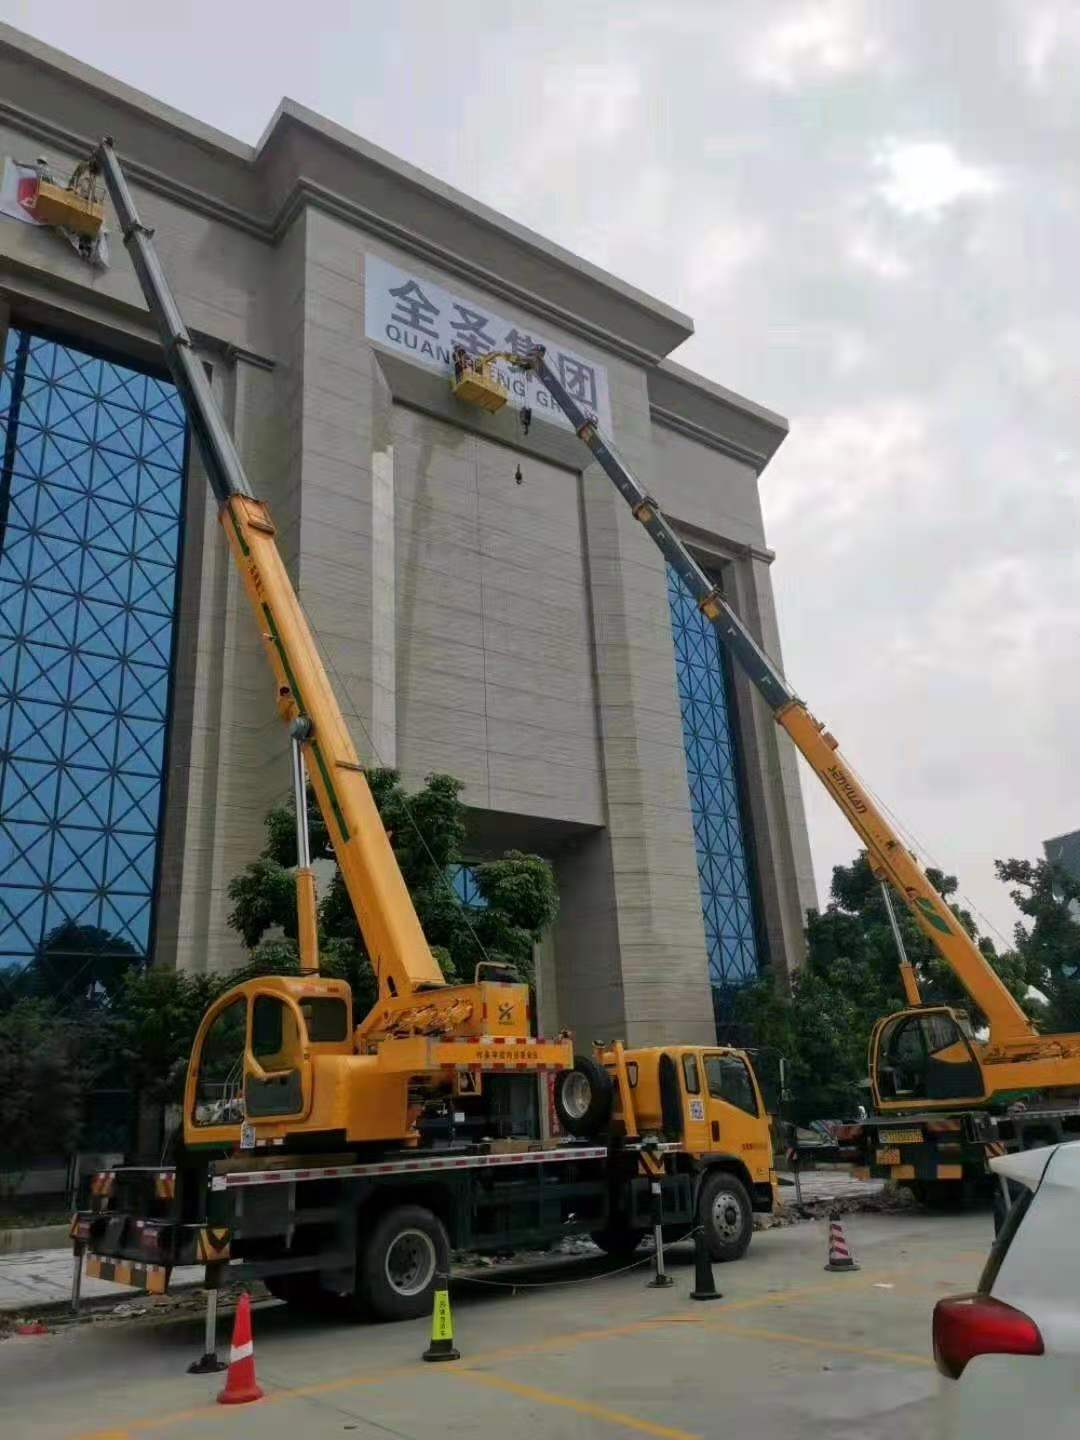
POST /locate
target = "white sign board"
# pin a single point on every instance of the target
(423, 322)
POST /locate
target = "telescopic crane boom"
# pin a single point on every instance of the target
(1025, 1057)
(319, 1077)
(305, 699)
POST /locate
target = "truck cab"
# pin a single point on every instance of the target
(699, 1109)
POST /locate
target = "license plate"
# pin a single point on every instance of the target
(888, 1157)
(901, 1137)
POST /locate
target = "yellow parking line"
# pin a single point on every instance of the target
(580, 1407)
(754, 1332)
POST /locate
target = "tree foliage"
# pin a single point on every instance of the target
(427, 832)
(41, 1083)
(1049, 946)
(152, 1026)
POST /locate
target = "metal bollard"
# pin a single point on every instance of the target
(208, 1362)
(76, 1279)
(661, 1280)
(704, 1280)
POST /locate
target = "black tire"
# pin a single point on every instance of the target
(725, 1212)
(396, 1268)
(618, 1241)
(584, 1097)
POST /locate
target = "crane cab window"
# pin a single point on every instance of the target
(691, 1076)
(277, 1046)
(926, 1056)
(326, 1018)
(219, 1086)
(729, 1080)
(274, 1041)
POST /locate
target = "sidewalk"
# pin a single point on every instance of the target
(43, 1277)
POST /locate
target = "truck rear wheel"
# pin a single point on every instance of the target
(725, 1213)
(584, 1097)
(396, 1269)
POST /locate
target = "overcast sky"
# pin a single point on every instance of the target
(872, 211)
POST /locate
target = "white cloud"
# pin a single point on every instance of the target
(1028, 361)
(722, 252)
(866, 250)
(821, 41)
(1045, 31)
(840, 471)
(925, 177)
(994, 617)
(594, 102)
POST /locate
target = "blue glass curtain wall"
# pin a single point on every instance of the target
(720, 827)
(91, 492)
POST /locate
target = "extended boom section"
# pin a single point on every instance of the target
(395, 941)
(1009, 1025)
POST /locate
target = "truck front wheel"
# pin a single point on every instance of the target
(397, 1266)
(725, 1214)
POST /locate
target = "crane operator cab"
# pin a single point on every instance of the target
(924, 1057)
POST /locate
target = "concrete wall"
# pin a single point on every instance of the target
(517, 636)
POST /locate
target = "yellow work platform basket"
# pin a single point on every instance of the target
(477, 383)
(59, 205)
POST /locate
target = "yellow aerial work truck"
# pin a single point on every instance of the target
(944, 1097)
(341, 1157)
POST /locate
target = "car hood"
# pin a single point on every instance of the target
(1027, 1167)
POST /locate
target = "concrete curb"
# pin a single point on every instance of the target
(33, 1237)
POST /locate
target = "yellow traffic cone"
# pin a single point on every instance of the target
(442, 1324)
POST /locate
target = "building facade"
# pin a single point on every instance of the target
(522, 636)
(1063, 851)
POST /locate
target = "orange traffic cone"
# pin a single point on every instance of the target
(240, 1383)
(840, 1257)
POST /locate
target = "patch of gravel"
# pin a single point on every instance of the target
(892, 1200)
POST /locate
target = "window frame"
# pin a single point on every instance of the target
(690, 1063)
(210, 1024)
(720, 1059)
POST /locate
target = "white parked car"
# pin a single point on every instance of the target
(1010, 1352)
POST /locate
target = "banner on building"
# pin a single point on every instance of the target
(423, 322)
(18, 187)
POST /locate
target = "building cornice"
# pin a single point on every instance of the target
(304, 159)
(305, 162)
(711, 415)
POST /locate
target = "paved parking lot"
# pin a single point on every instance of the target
(790, 1351)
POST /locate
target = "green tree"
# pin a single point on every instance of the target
(151, 1028)
(1048, 948)
(427, 832)
(41, 1084)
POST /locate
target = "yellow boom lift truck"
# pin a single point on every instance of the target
(941, 1095)
(340, 1159)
